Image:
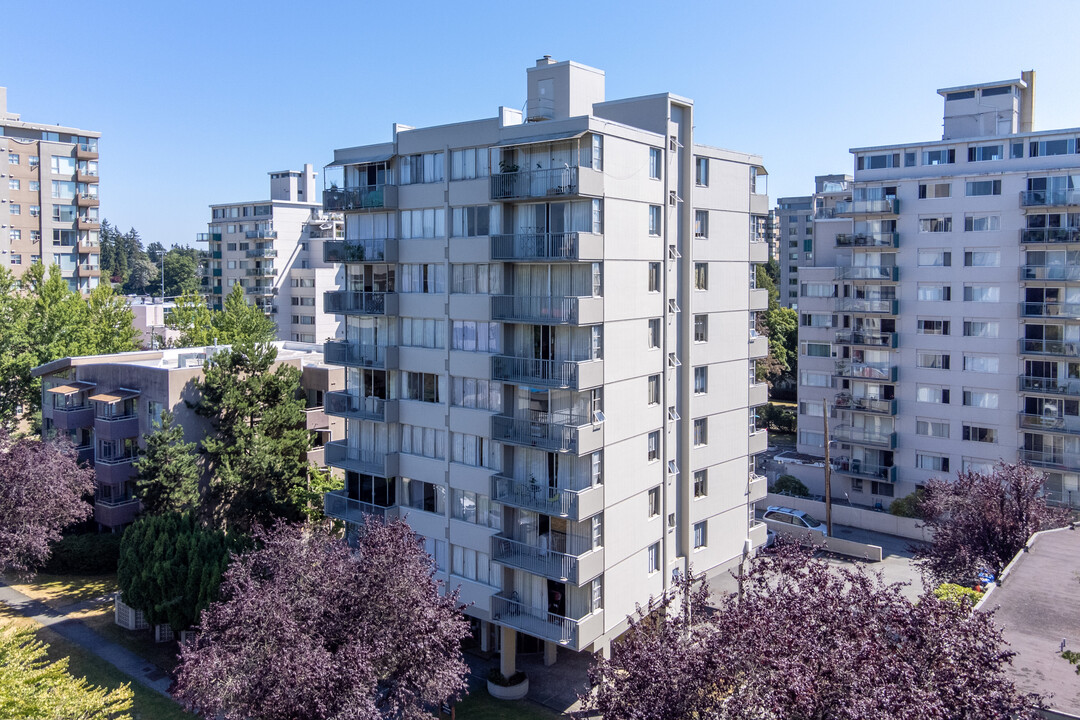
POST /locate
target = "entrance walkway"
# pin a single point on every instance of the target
(556, 687)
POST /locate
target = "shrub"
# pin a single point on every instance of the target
(89, 554)
(907, 506)
(499, 679)
(790, 485)
(957, 593)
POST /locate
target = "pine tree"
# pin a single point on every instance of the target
(168, 479)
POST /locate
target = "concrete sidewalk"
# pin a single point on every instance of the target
(127, 662)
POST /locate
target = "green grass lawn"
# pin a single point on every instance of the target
(479, 705)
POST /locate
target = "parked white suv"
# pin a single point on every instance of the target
(798, 519)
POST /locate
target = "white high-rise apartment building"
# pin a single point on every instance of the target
(941, 326)
(277, 250)
(550, 352)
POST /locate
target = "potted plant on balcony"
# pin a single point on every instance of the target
(501, 687)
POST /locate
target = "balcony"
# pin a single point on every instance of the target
(375, 249)
(863, 404)
(881, 239)
(262, 253)
(1069, 311)
(87, 200)
(216, 272)
(535, 183)
(86, 151)
(86, 177)
(863, 469)
(350, 354)
(759, 346)
(89, 270)
(889, 273)
(340, 506)
(116, 428)
(757, 487)
(574, 567)
(348, 302)
(88, 247)
(565, 310)
(1049, 347)
(260, 235)
(542, 498)
(1049, 386)
(255, 290)
(865, 371)
(865, 436)
(216, 255)
(73, 417)
(114, 471)
(361, 460)
(863, 305)
(886, 206)
(1039, 236)
(759, 252)
(1050, 423)
(548, 247)
(346, 405)
(85, 222)
(116, 514)
(568, 374)
(1050, 272)
(867, 338)
(575, 634)
(369, 197)
(1056, 459)
(758, 441)
(557, 432)
(261, 272)
(759, 394)
(1050, 198)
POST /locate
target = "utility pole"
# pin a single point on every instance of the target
(828, 472)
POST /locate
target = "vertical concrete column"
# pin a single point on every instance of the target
(551, 653)
(485, 636)
(508, 657)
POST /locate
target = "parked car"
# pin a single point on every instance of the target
(798, 519)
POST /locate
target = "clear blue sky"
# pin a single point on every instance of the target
(198, 100)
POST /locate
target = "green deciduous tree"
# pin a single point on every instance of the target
(168, 479)
(181, 267)
(257, 454)
(781, 325)
(170, 567)
(236, 322)
(33, 687)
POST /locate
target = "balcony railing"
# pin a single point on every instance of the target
(866, 371)
(340, 506)
(545, 373)
(546, 246)
(260, 290)
(534, 621)
(1050, 272)
(867, 338)
(869, 272)
(354, 250)
(115, 459)
(539, 310)
(1049, 386)
(368, 197)
(865, 436)
(1057, 459)
(1049, 347)
(1049, 198)
(262, 253)
(262, 272)
(864, 404)
(362, 460)
(558, 433)
(342, 404)
(535, 183)
(1050, 235)
(1050, 309)
(340, 352)
(541, 497)
(861, 468)
(886, 206)
(861, 305)
(879, 239)
(260, 234)
(347, 302)
(1052, 423)
(535, 559)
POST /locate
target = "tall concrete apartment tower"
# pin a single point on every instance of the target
(941, 326)
(550, 352)
(795, 229)
(274, 250)
(49, 198)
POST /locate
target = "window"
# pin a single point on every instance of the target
(909, 159)
(16, 259)
(654, 220)
(935, 293)
(813, 439)
(939, 157)
(882, 488)
(981, 399)
(982, 258)
(654, 445)
(701, 223)
(424, 387)
(877, 162)
(986, 152)
(701, 431)
(654, 502)
(701, 171)
(474, 565)
(13, 159)
(701, 328)
(475, 508)
(426, 223)
(932, 428)
(935, 224)
(815, 379)
(981, 328)
(981, 363)
(476, 393)
(471, 221)
(426, 332)
(35, 186)
(701, 380)
(822, 320)
(817, 350)
(981, 293)
(468, 163)
(15, 209)
(936, 361)
(35, 211)
(931, 394)
(654, 558)
(932, 327)
(701, 534)
(701, 276)
(15, 234)
(974, 433)
(701, 483)
(63, 165)
(470, 278)
(422, 278)
(978, 188)
(654, 332)
(654, 277)
(935, 190)
(473, 336)
(1043, 148)
(934, 258)
(656, 160)
(425, 168)
(424, 496)
(937, 463)
(654, 390)
(13, 184)
(301, 301)
(981, 222)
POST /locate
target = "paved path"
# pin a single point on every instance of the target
(127, 662)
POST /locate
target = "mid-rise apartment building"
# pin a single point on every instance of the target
(274, 250)
(49, 198)
(940, 325)
(795, 229)
(105, 404)
(550, 353)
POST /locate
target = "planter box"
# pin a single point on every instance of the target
(514, 692)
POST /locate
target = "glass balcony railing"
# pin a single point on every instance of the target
(340, 352)
(1050, 235)
(535, 183)
(354, 250)
(864, 305)
(262, 253)
(864, 404)
(1049, 347)
(343, 404)
(347, 302)
(1057, 459)
(1049, 386)
(869, 338)
(361, 460)
(369, 197)
(881, 239)
(260, 234)
(869, 272)
(340, 506)
(1050, 272)
(885, 206)
(1050, 422)
(1050, 198)
(865, 436)
(262, 272)
(866, 371)
(1050, 309)
(863, 469)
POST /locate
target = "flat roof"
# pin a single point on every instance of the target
(169, 359)
(977, 86)
(1038, 604)
(979, 139)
